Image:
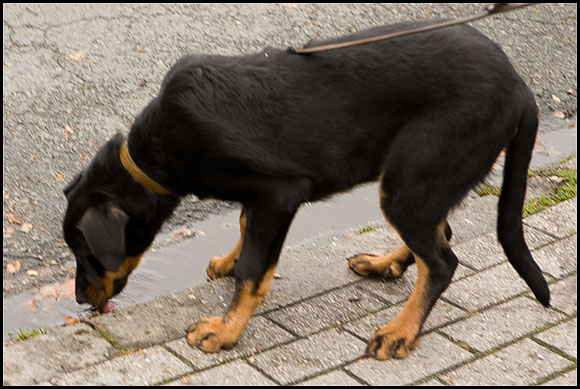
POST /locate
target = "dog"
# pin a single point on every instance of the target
(426, 115)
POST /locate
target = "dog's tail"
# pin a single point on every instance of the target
(509, 225)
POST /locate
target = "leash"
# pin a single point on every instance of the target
(489, 10)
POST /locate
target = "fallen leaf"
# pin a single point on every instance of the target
(182, 232)
(32, 273)
(69, 321)
(33, 306)
(26, 227)
(556, 99)
(76, 56)
(13, 267)
(67, 130)
(12, 219)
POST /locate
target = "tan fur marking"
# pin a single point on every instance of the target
(440, 238)
(98, 297)
(211, 334)
(400, 335)
(376, 265)
(221, 266)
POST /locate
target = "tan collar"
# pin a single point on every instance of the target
(138, 174)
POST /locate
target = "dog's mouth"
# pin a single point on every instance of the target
(100, 298)
(107, 307)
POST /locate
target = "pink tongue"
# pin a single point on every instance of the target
(108, 307)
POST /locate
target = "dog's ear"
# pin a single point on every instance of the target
(104, 229)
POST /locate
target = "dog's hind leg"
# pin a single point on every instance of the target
(425, 233)
(223, 265)
(391, 265)
(435, 264)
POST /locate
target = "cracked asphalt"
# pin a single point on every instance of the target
(76, 74)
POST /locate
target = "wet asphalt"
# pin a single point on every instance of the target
(74, 75)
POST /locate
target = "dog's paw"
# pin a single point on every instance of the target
(373, 265)
(210, 335)
(220, 267)
(367, 265)
(389, 343)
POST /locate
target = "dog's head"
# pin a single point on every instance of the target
(109, 223)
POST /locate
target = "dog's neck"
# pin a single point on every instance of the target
(138, 174)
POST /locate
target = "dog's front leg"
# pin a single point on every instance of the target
(266, 228)
(224, 265)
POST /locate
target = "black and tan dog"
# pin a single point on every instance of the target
(426, 114)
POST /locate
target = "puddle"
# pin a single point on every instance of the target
(171, 269)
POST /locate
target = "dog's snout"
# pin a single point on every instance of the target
(81, 299)
(80, 295)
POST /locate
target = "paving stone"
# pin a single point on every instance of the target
(485, 288)
(558, 259)
(235, 373)
(260, 334)
(564, 295)
(434, 354)
(473, 217)
(303, 358)
(392, 290)
(559, 220)
(145, 367)
(441, 314)
(399, 289)
(521, 363)
(431, 382)
(313, 267)
(484, 251)
(502, 324)
(563, 337)
(329, 309)
(321, 262)
(566, 379)
(334, 378)
(37, 359)
(167, 317)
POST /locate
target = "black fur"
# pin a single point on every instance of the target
(428, 113)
